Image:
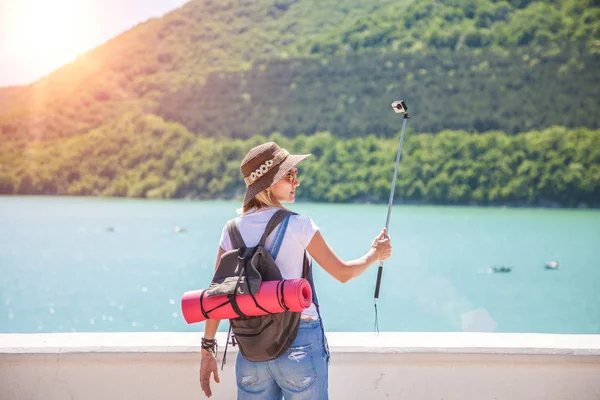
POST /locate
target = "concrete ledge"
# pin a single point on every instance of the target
(449, 366)
(339, 342)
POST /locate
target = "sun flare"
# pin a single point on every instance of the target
(45, 34)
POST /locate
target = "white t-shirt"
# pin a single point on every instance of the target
(298, 235)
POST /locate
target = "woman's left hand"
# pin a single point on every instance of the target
(208, 366)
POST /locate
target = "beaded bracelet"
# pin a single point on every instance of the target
(209, 344)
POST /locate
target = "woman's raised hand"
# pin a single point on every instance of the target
(382, 246)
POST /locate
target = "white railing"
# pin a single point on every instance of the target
(114, 366)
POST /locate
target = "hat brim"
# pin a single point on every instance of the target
(273, 176)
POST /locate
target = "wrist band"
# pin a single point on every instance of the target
(209, 344)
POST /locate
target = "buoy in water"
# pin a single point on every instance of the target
(552, 265)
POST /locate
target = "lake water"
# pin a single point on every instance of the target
(107, 265)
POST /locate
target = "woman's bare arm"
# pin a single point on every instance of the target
(208, 365)
(343, 271)
(211, 325)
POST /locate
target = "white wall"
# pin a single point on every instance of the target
(437, 366)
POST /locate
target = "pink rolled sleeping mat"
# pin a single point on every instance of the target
(273, 296)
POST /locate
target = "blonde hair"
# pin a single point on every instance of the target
(262, 199)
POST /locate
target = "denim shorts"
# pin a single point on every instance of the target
(301, 373)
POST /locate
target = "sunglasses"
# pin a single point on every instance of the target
(292, 176)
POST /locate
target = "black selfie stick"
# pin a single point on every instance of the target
(399, 108)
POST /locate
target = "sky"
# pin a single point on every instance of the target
(38, 36)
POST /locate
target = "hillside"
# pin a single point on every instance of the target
(145, 156)
(350, 95)
(503, 97)
(157, 62)
(540, 26)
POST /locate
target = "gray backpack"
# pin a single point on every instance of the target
(241, 272)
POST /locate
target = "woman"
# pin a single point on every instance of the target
(271, 178)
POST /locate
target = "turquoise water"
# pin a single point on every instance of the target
(62, 269)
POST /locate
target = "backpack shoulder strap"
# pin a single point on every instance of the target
(308, 275)
(306, 266)
(273, 222)
(234, 235)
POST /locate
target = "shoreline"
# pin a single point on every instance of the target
(363, 201)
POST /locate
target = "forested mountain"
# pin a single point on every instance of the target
(160, 61)
(350, 95)
(144, 156)
(503, 97)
